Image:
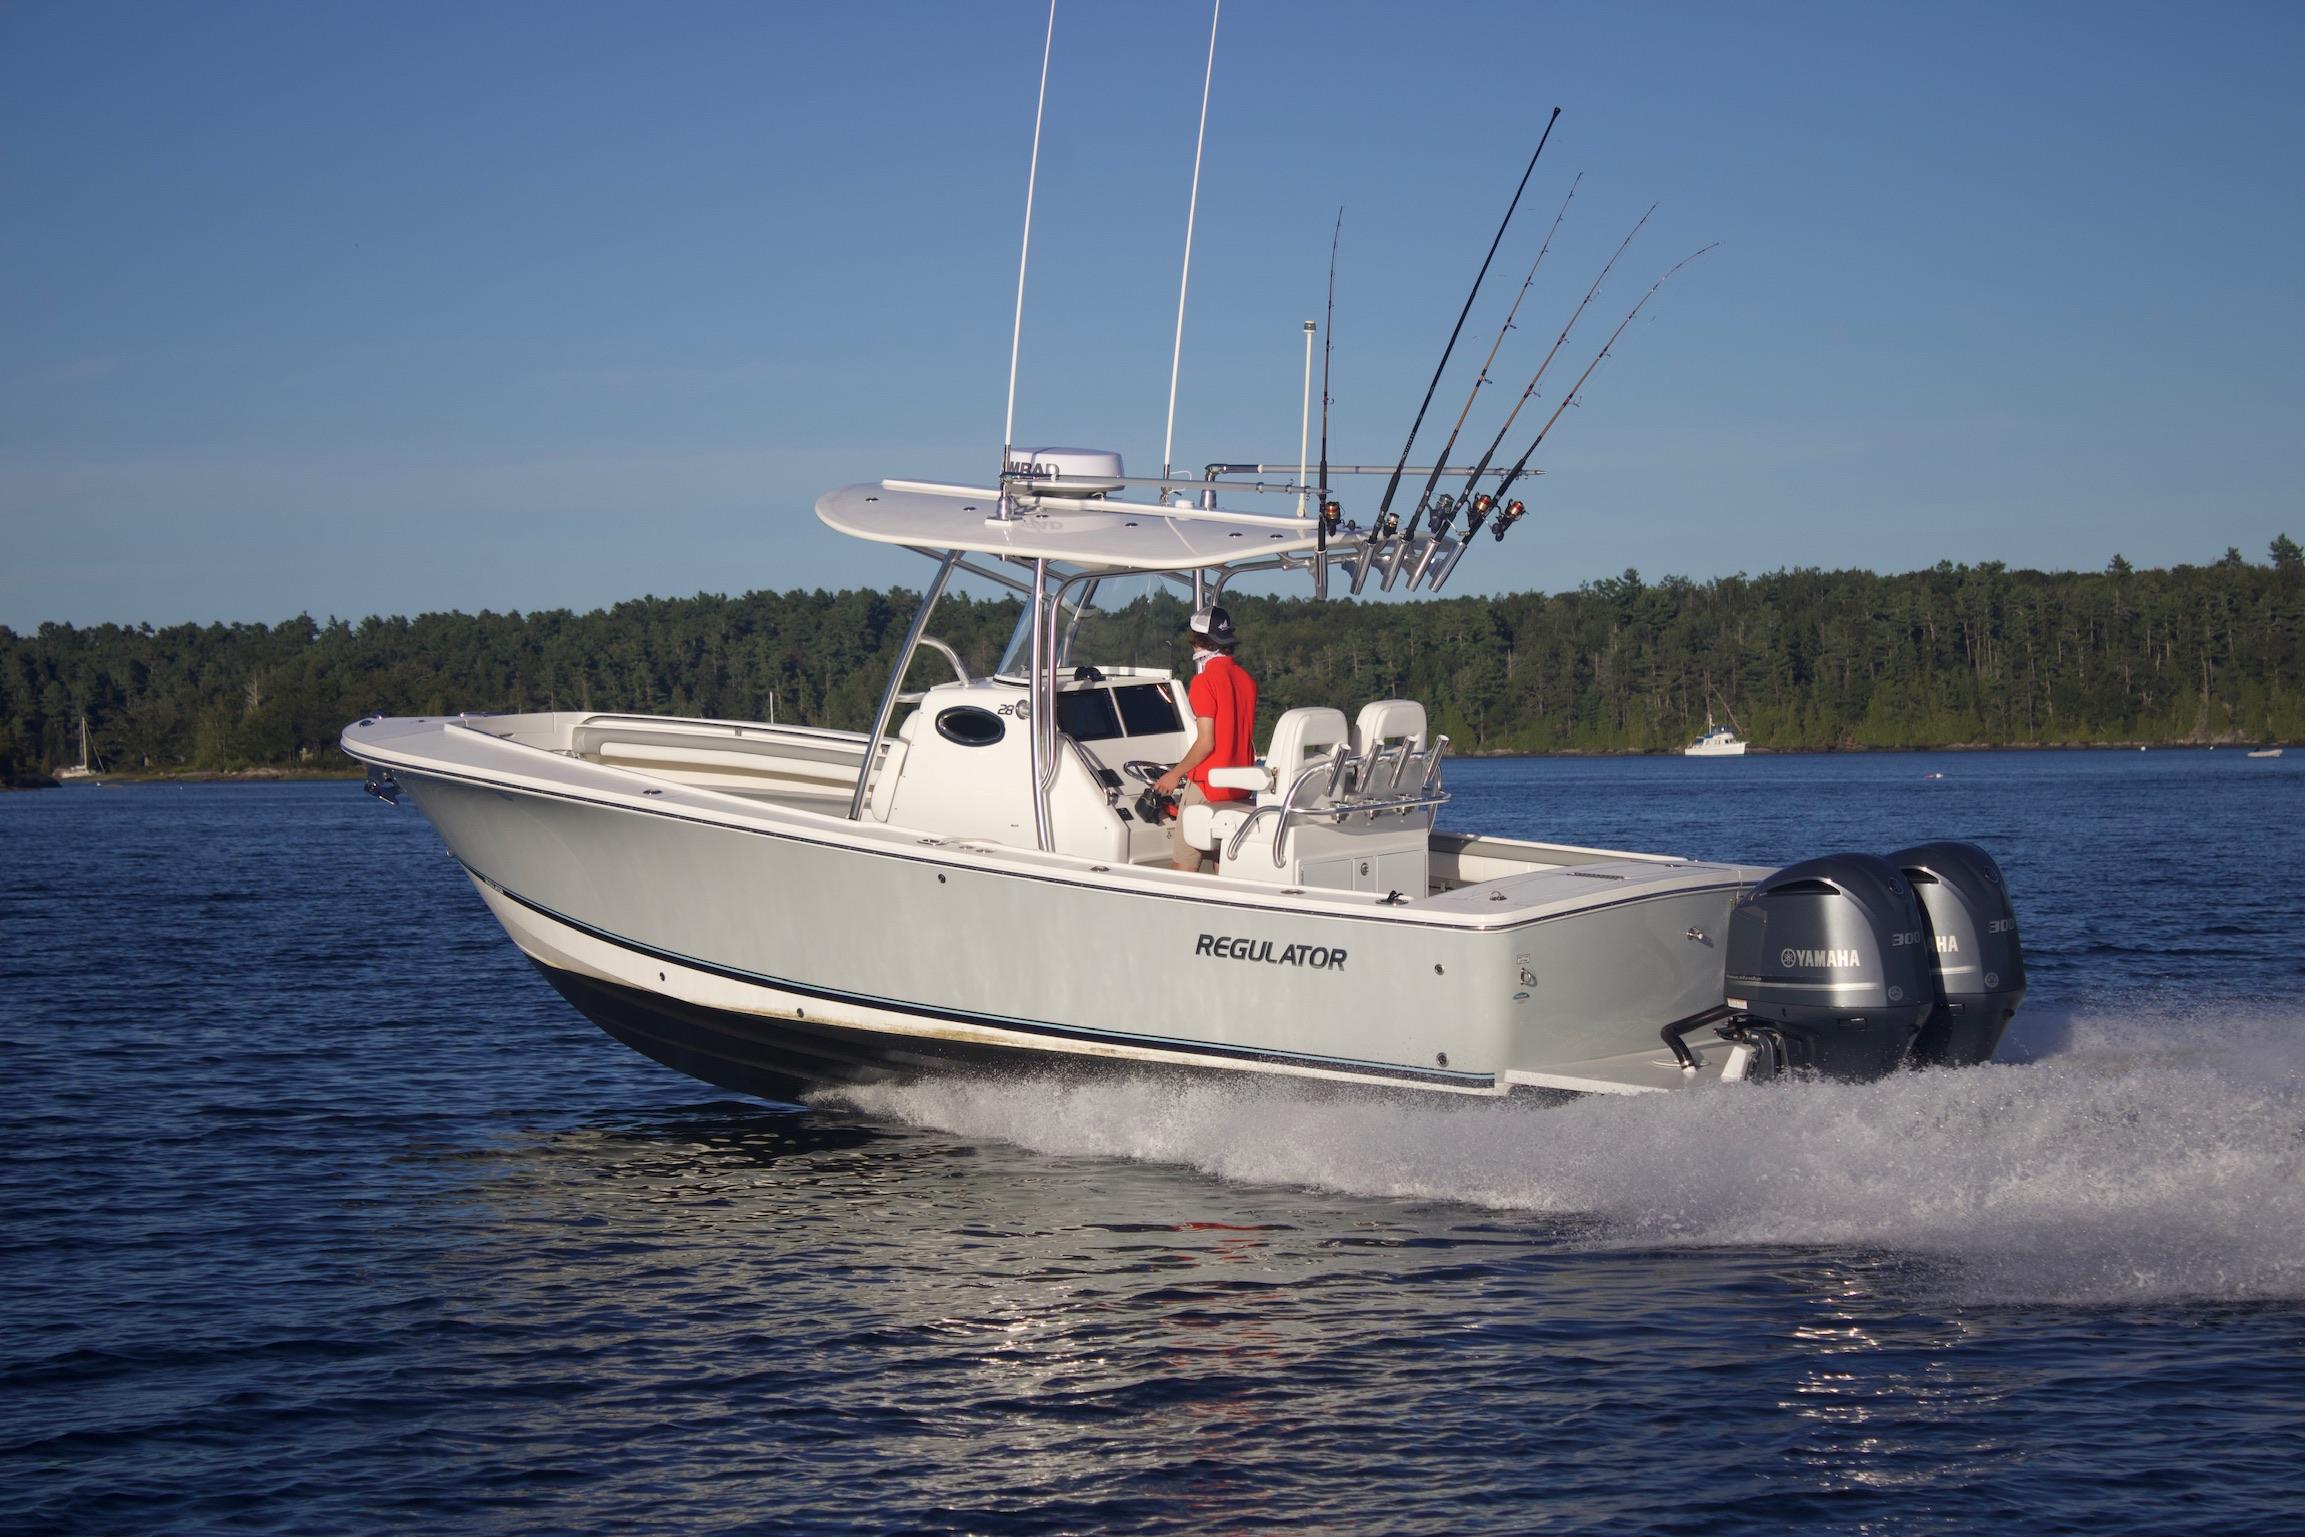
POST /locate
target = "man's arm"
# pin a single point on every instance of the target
(1204, 743)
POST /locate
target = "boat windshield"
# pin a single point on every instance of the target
(1130, 622)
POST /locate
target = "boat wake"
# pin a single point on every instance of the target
(2137, 1157)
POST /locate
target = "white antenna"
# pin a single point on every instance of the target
(1176, 354)
(1016, 336)
(1305, 421)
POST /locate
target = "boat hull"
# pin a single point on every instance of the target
(782, 1036)
(775, 959)
(789, 1059)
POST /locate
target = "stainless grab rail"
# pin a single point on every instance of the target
(1341, 762)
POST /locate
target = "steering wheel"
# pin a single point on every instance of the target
(1144, 770)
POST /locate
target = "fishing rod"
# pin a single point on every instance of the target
(1512, 512)
(1425, 496)
(1386, 523)
(1327, 513)
(1445, 511)
(1478, 506)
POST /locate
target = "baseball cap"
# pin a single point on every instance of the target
(1214, 624)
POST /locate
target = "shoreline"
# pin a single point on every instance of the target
(1859, 749)
(30, 782)
(261, 776)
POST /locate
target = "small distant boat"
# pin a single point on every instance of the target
(1717, 742)
(2265, 752)
(81, 772)
(1933, 774)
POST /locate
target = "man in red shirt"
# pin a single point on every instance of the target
(1224, 701)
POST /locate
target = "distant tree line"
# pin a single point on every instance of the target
(1799, 659)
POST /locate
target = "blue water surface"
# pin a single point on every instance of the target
(320, 1212)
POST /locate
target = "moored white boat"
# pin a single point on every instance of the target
(1717, 742)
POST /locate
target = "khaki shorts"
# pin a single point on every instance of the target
(1190, 794)
(1187, 854)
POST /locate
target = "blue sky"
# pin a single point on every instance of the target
(383, 309)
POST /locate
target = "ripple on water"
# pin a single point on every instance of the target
(320, 1213)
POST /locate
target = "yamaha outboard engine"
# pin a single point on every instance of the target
(1827, 956)
(1978, 965)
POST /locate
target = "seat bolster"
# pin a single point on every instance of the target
(1251, 777)
(1205, 824)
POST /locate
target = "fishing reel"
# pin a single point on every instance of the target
(1154, 808)
(1332, 518)
(1444, 513)
(1514, 511)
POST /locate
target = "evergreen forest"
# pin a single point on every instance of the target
(1955, 655)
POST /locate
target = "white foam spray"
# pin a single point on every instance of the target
(2150, 1158)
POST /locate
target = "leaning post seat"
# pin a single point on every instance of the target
(1303, 740)
(1339, 808)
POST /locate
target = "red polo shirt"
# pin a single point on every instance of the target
(1224, 693)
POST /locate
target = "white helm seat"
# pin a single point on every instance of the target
(1386, 721)
(1302, 739)
(1387, 734)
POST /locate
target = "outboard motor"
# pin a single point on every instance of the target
(1978, 965)
(1828, 957)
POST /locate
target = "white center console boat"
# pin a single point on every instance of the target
(970, 884)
